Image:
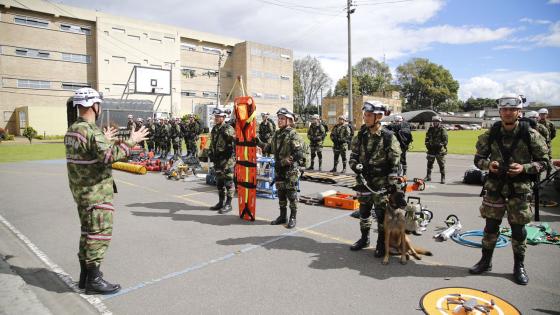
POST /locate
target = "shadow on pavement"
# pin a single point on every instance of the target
(338, 256)
(167, 205)
(213, 217)
(41, 278)
(450, 194)
(551, 312)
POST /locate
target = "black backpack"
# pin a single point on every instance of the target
(474, 176)
(404, 135)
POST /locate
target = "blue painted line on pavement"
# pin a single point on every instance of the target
(217, 260)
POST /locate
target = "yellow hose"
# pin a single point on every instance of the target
(132, 168)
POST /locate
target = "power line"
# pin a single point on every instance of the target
(367, 3)
(291, 7)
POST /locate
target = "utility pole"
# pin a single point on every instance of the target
(219, 79)
(349, 11)
(321, 105)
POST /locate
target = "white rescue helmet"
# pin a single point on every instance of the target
(511, 101)
(374, 107)
(543, 111)
(532, 114)
(221, 112)
(342, 117)
(130, 116)
(315, 116)
(86, 97)
(287, 113)
(398, 118)
(436, 118)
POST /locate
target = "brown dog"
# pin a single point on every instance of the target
(395, 236)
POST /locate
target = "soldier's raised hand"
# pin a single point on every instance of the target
(140, 135)
(110, 133)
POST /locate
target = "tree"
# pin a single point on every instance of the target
(29, 133)
(341, 88)
(298, 94)
(373, 76)
(312, 78)
(478, 103)
(425, 85)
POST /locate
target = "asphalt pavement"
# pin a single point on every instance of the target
(173, 256)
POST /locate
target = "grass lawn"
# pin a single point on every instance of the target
(460, 142)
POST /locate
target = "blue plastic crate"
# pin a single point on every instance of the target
(265, 178)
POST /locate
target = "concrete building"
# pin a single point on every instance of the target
(47, 50)
(333, 107)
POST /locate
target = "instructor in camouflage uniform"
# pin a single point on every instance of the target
(316, 135)
(375, 155)
(221, 153)
(543, 115)
(89, 155)
(287, 147)
(340, 136)
(266, 130)
(436, 143)
(512, 162)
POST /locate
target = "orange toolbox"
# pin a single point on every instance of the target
(342, 201)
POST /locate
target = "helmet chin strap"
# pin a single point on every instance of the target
(96, 112)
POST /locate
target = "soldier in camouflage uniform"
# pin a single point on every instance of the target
(436, 143)
(158, 137)
(130, 125)
(543, 115)
(165, 138)
(151, 137)
(266, 130)
(287, 147)
(340, 136)
(139, 124)
(192, 134)
(543, 131)
(175, 137)
(221, 154)
(89, 155)
(316, 135)
(513, 153)
(375, 155)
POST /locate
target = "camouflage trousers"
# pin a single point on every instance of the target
(151, 145)
(340, 151)
(369, 200)
(191, 146)
(224, 182)
(316, 150)
(177, 146)
(97, 230)
(440, 158)
(287, 191)
(519, 212)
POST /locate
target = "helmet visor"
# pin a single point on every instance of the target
(504, 102)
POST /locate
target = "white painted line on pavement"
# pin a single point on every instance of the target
(220, 259)
(65, 277)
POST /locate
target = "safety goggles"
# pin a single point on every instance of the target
(509, 101)
(283, 111)
(371, 108)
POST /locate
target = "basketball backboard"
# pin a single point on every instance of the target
(152, 81)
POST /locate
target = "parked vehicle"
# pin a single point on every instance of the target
(476, 126)
(463, 127)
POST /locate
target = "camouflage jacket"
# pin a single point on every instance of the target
(543, 131)
(286, 144)
(340, 134)
(152, 128)
(266, 130)
(89, 155)
(192, 130)
(533, 157)
(551, 129)
(174, 132)
(316, 133)
(131, 125)
(436, 140)
(222, 146)
(378, 158)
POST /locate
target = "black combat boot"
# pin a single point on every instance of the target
(227, 206)
(310, 168)
(83, 275)
(96, 285)
(363, 242)
(320, 165)
(334, 168)
(220, 203)
(519, 272)
(404, 170)
(428, 176)
(485, 263)
(292, 221)
(380, 246)
(282, 218)
(343, 167)
(443, 178)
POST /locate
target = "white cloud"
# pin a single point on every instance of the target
(532, 21)
(538, 87)
(551, 39)
(553, 1)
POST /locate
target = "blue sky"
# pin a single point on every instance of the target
(491, 47)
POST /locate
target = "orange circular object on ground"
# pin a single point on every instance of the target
(436, 302)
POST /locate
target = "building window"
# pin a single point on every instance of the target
(285, 77)
(271, 96)
(284, 97)
(33, 84)
(74, 86)
(137, 37)
(190, 47)
(209, 94)
(25, 20)
(211, 73)
(188, 73)
(33, 53)
(332, 107)
(118, 58)
(156, 66)
(157, 40)
(211, 50)
(169, 39)
(257, 95)
(76, 58)
(75, 29)
(284, 56)
(188, 93)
